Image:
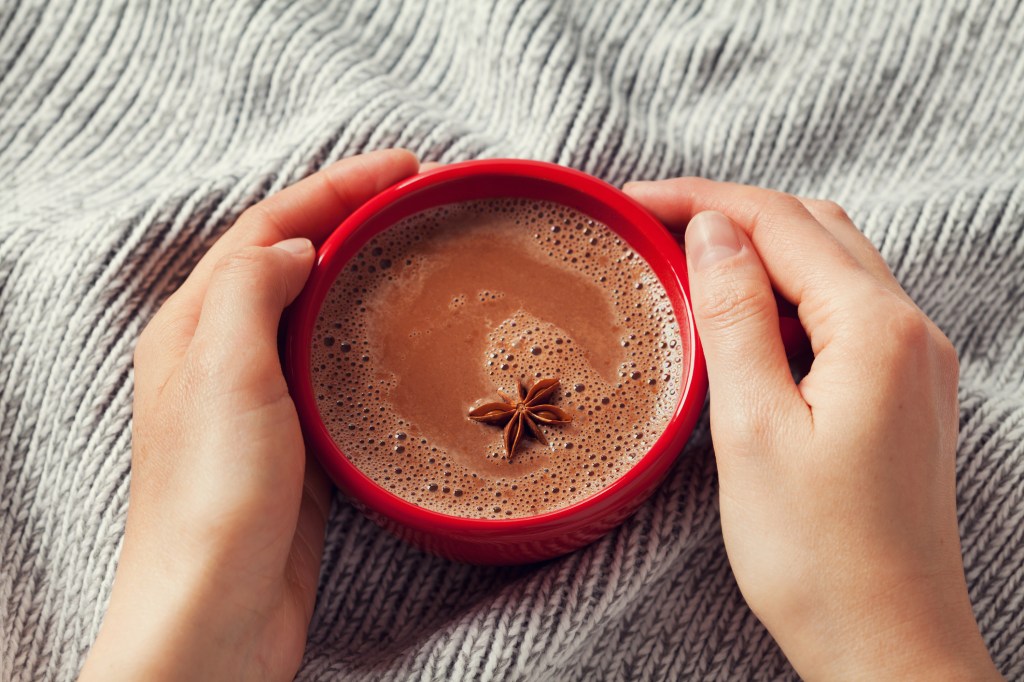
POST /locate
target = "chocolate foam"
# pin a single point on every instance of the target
(437, 312)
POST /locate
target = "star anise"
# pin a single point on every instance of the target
(523, 414)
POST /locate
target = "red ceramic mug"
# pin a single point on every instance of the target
(516, 540)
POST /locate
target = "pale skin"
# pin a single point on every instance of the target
(837, 493)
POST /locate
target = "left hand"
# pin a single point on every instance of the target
(218, 573)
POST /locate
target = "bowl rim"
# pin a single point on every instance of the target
(302, 315)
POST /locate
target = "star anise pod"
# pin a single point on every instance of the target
(523, 414)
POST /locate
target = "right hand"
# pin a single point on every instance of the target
(838, 495)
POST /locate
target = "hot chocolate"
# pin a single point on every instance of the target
(437, 314)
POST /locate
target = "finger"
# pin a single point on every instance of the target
(794, 338)
(736, 315)
(236, 338)
(429, 166)
(311, 208)
(834, 219)
(802, 258)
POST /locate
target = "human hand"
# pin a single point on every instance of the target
(218, 571)
(837, 493)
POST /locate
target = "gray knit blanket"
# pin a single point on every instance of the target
(132, 134)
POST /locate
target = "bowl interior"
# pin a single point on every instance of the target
(483, 180)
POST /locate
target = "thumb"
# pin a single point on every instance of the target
(737, 318)
(248, 291)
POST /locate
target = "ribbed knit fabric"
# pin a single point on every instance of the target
(132, 134)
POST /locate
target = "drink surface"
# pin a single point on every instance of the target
(436, 314)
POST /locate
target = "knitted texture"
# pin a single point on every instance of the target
(132, 134)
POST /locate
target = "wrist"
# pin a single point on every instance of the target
(922, 634)
(912, 652)
(158, 628)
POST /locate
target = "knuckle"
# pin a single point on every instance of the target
(747, 426)
(775, 214)
(752, 427)
(257, 214)
(947, 353)
(784, 204)
(908, 328)
(733, 303)
(240, 377)
(260, 220)
(239, 263)
(833, 210)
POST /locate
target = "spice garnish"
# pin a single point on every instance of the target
(523, 414)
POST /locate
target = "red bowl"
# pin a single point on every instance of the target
(525, 539)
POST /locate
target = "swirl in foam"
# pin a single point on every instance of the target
(435, 314)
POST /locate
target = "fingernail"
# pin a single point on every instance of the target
(298, 245)
(710, 238)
